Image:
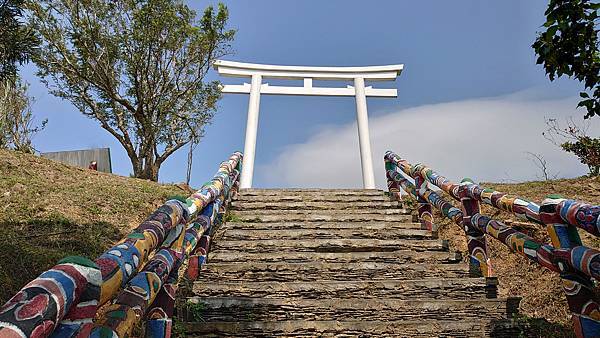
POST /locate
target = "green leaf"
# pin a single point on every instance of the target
(552, 30)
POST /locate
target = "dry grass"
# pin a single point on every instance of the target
(49, 210)
(541, 289)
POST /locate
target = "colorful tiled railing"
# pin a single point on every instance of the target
(577, 265)
(138, 276)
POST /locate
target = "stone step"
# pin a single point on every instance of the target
(310, 191)
(328, 245)
(366, 329)
(289, 272)
(366, 226)
(321, 216)
(299, 234)
(312, 205)
(430, 288)
(335, 263)
(398, 257)
(240, 309)
(284, 213)
(313, 198)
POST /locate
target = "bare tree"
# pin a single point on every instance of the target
(16, 120)
(541, 163)
(572, 131)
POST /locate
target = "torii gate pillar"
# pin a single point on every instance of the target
(364, 140)
(251, 131)
(356, 74)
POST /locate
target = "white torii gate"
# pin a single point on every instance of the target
(357, 74)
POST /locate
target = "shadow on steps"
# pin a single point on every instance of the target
(523, 326)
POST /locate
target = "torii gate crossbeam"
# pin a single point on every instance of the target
(256, 72)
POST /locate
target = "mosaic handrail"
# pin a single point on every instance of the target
(567, 256)
(196, 243)
(133, 302)
(63, 301)
(555, 208)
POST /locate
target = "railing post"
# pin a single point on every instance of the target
(578, 287)
(479, 264)
(393, 185)
(424, 208)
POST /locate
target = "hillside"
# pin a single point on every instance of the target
(49, 210)
(544, 305)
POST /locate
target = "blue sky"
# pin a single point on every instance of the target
(457, 55)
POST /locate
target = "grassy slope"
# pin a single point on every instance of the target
(49, 210)
(541, 289)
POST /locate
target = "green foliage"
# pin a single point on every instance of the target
(569, 46)
(574, 138)
(17, 42)
(409, 202)
(231, 217)
(588, 151)
(196, 311)
(16, 120)
(137, 67)
(178, 329)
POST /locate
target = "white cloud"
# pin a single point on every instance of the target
(484, 139)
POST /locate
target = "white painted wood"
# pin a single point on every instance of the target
(266, 89)
(364, 140)
(371, 73)
(251, 131)
(357, 74)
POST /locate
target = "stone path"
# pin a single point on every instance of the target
(345, 263)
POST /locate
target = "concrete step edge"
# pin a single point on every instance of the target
(265, 212)
(226, 233)
(414, 328)
(330, 245)
(324, 225)
(399, 256)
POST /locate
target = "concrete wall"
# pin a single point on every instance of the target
(82, 158)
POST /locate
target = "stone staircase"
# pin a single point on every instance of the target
(346, 263)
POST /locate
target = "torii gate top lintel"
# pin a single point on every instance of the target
(371, 73)
(307, 73)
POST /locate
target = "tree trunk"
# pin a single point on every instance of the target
(189, 164)
(149, 172)
(146, 169)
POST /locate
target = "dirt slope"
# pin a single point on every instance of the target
(544, 306)
(49, 210)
